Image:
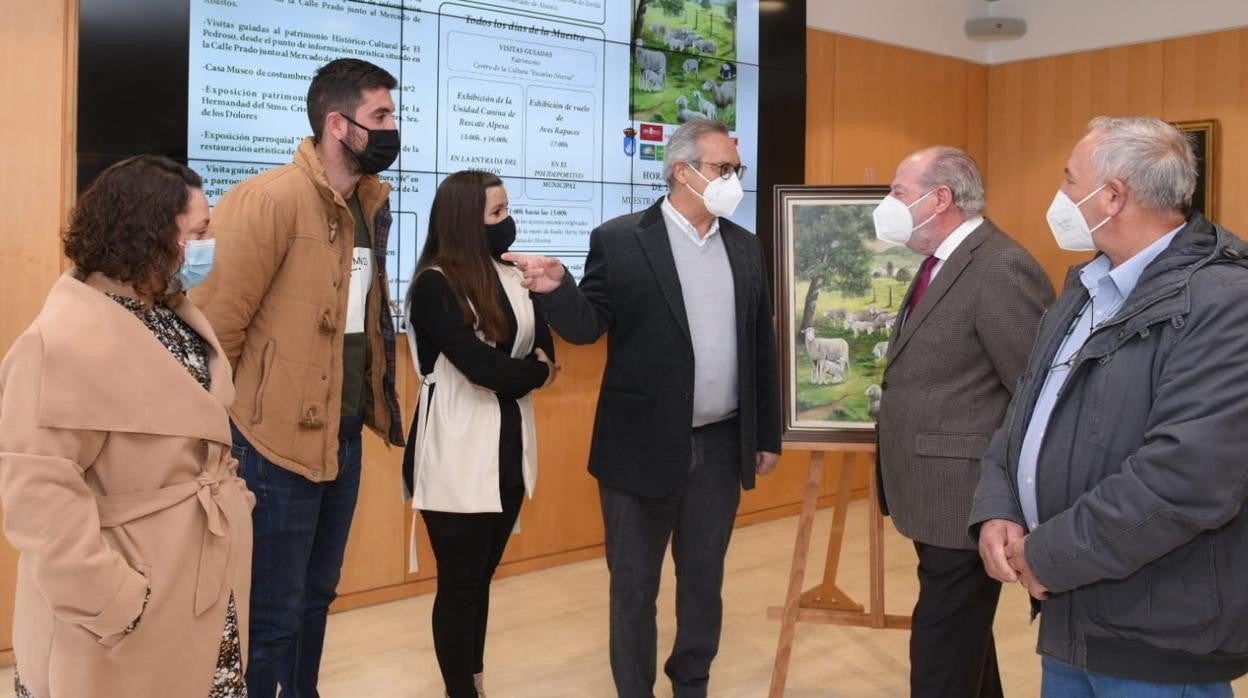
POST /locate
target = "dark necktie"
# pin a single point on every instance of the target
(920, 287)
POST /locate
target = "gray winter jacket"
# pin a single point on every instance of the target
(1142, 474)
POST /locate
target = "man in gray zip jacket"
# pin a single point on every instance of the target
(1114, 490)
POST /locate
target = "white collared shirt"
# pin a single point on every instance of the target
(675, 219)
(950, 245)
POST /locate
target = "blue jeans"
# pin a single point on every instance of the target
(301, 532)
(1060, 680)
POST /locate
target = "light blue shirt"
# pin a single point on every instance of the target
(1108, 288)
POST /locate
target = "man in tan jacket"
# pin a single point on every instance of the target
(298, 297)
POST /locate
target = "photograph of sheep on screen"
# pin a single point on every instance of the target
(684, 61)
(842, 292)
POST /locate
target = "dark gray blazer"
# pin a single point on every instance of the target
(631, 291)
(952, 368)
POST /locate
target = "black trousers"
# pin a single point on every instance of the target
(467, 548)
(698, 519)
(952, 652)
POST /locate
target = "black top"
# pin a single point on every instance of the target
(438, 326)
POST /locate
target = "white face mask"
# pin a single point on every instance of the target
(893, 222)
(721, 195)
(1069, 227)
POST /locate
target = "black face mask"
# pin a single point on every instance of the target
(500, 235)
(379, 152)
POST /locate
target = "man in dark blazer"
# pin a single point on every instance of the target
(689, 410)
(956, 351)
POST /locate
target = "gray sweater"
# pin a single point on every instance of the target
(707, 286)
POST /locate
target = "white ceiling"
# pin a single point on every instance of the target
(1053, 26)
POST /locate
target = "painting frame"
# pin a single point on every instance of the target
(1204, 136)
(798, 303)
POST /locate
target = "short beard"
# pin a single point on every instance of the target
(352, 160)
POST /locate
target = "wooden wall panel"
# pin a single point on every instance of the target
(36, 64)
(375, 550)
(976, 139)
(1039, 109)
(820, 105)
(564, 514)
(1207, 77)
(38, 49)
(889, 102)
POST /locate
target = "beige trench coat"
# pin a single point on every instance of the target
(116, 475)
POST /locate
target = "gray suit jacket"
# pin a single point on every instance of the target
(952, 368)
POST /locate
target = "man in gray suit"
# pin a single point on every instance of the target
(958, 346)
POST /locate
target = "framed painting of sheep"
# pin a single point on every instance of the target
(684, 61)
(838, 293)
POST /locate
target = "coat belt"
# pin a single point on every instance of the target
(118, 510)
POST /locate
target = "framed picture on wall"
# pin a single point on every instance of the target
(838, 293)
(1204, 135)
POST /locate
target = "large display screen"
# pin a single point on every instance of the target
(571, 102)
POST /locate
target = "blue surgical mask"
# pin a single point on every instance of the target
(196, 262)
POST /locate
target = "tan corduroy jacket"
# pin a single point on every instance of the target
(116, 476)
(277, 298)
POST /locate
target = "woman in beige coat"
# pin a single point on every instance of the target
(118, 484)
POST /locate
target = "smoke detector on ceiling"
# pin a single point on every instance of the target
(994, 28)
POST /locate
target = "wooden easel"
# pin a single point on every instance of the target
(826, 603)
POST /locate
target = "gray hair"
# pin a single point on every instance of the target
(953, 168)
(1154, 159)
(684, 145)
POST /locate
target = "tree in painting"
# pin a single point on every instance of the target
(672, 7)
(639, 19)
(831, 249)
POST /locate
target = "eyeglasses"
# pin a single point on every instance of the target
(1088, 311)
(726, 169)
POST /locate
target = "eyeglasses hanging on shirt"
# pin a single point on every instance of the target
(1088, 311)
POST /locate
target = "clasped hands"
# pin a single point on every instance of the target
(1002, 546)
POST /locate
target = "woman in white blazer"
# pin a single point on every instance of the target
(481, 347)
